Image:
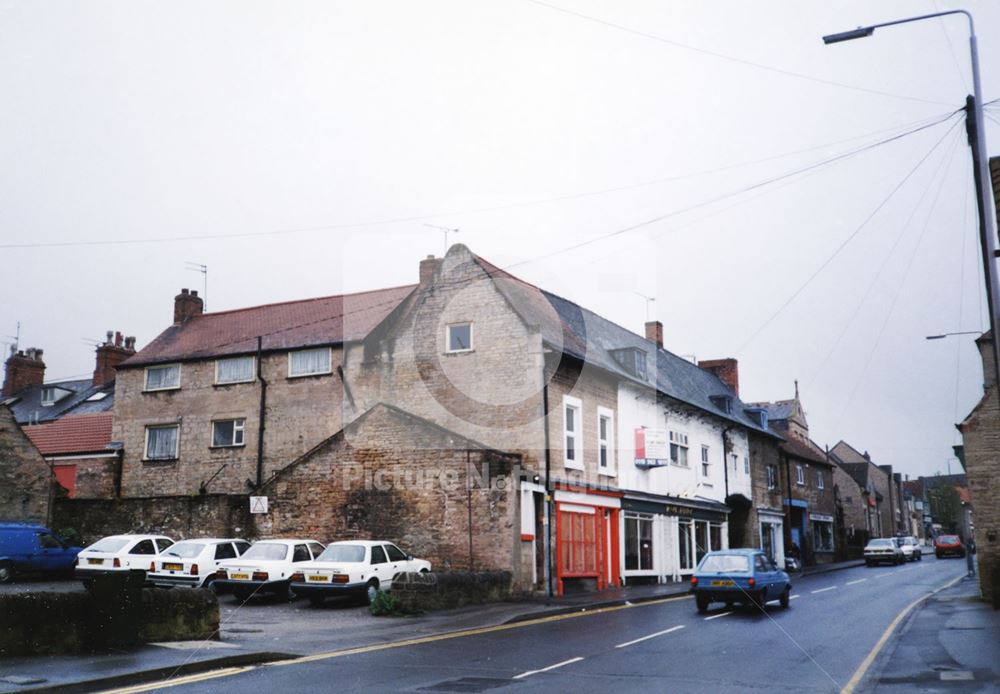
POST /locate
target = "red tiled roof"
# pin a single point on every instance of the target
(289, 325)
(83, 433)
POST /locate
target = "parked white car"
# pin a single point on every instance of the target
(355, 567)
(118, 553)
(266, 567)
(193, 563)
(883, 549)
(910, 548)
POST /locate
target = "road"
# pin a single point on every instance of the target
(833, 624)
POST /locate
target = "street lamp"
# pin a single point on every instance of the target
(977, 140)
(944, 335)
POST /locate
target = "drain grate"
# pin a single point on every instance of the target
(468, 684)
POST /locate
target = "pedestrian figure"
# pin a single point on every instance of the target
(970, 558)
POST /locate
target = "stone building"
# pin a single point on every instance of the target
(876, 488)
(804, 478)
(981, 440)
(27, 484)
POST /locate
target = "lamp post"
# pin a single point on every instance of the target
(977, 141)
(944, 335)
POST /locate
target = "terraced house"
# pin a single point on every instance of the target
(483, 421)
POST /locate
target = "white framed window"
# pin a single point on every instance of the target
(706, 464)
(772, 476)
(164, 377)
(820, 483)
(161, 441)
(234, 370)
(746, 465)
(734, 459)
(310, 362)
(679, 448)
(51, 395)
(605, 441)
(572, 426)
(800, 475)
(459, 337)
(227, 433)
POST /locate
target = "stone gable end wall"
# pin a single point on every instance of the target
(25, 478)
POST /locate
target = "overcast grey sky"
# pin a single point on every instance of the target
(300, 148)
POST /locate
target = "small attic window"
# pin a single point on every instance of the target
(97, 396)
(723, 402)
(632, 360)
(757, 415)
(51, 395)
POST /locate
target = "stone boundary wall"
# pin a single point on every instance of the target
(179, 517)
(424, 592)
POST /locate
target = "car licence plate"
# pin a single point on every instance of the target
(173, 567)
(313, 578)
(95, 561)
(240, 577)
(725, 582)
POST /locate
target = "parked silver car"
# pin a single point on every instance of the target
(883, 549)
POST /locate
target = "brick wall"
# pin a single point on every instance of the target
(763, 452)
(300, 413)
(95, 477)
(851, 511)
(25, 478)
(393, 476)
(179, 517)
(981, 437)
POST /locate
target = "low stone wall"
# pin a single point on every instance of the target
(179, 517)
(109, 617)
(424, 592)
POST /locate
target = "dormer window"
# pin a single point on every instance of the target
(51, 395)
(632, 360)
(723, 402)
(758, 415)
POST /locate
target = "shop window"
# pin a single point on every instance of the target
(638, 542)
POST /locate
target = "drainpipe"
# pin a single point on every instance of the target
(548, 489)
(468, 494)
(725, 458)
(788, 485)
(260, 420)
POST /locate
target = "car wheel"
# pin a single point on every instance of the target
(869, 562)
(702, 602)
(371, 590)
(760, 599)
(316, 599)
(6, 572)
(786, 597)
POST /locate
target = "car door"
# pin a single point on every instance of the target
(50, 553)
(380, 565)
(765, 577)
(398, 561)
(140, 555)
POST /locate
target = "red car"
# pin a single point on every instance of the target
(948, 545)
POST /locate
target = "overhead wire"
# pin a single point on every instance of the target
(844, 244)
(905, 129)
(730, 58)
(895, 298)
(904, 227)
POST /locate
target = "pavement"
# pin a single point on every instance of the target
(950, 634)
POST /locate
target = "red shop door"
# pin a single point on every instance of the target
(586, 540)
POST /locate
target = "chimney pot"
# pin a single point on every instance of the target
(187, 305)
(23, 370)
(654, 332)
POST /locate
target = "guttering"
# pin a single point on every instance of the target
(260, 419)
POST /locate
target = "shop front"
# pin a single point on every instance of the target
(772, 538)
(587, 541)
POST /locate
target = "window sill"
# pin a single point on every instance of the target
(683, 465)
(570, 465)
(453, 352)
(160, 390)
(312, 375)
(159, 461)
(608, 472)
(227, 447)
(233, 383)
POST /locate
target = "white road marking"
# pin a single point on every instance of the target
(546, 669)
(887, 573)
(651, 636)
(854, 583)
(716, 616)
(823, 590)
(792, 597)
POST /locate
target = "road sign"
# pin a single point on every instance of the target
(258, 504)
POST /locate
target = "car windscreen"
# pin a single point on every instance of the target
(109, 544)
(948, 539)
(725, 563)
(266, 550)
(881, 543)
(343, 553)
(185, 550)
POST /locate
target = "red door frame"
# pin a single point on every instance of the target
(605, 522)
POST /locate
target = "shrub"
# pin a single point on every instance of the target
(384, 604)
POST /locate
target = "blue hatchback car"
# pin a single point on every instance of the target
(744, 576)
(31, 548)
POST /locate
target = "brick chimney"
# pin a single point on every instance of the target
(726, 369)
(187, 305)
(24, 368)
(428, 266)
(654, 332)
(113, 352)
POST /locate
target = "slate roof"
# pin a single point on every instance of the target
(585, 335)
(27, 403)
(804, 451)
(85, 433)
(776, 411)
(290, 325)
